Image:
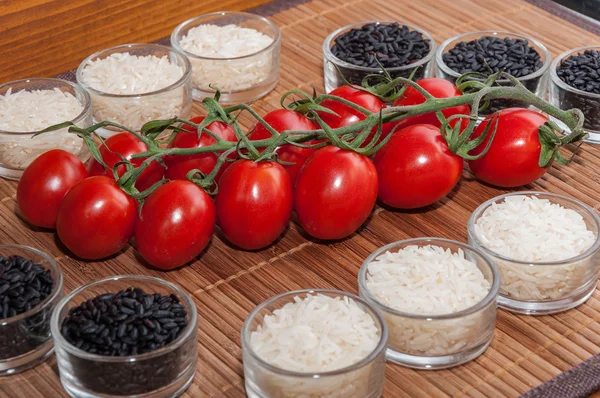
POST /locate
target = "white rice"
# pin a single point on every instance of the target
(230, 41)
(428, 280)
(32, 111)
(316, 333)
(526, 228)
(126, 74)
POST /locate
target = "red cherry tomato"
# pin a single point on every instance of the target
(44, 184)
(335, 193)
(513, 157)
(281, 120)
(96, 218)
(126, 145)
(254, 203)
(439, 88)
(348, 115)
(179, 166)
(416, 168)
(176, 224)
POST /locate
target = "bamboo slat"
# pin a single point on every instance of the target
(227, 283)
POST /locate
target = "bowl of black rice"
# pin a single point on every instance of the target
(355, 51)
(31, 284)
(575, 83)
(126, 335)
(488, 52)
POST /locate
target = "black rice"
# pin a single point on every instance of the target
(23, 286)
(489, 54)
(392, 45)
(129, 322)
(110, 324)
(581, 71)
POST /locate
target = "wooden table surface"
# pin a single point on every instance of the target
(227, 283)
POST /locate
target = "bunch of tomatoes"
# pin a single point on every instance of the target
(332, 190)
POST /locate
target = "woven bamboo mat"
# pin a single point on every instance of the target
(227, 283)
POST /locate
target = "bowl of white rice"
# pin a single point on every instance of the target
(314, 343)
(545, 247)
(133, 84)
(235, 52)
(30, 105)
(438, 298)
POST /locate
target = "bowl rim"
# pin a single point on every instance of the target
(490, 297)
(56, 291)
(184, 25)
(375, 313)
(185, 76)
(538, 73)
(85, 101)
(563, 85)
(576, 203)
(61, 343)
(421, 62)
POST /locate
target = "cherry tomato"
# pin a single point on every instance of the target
(513, 157)
(254, 203)
(416, 168)
(126, 145)
(335, 193)
(281, 120)
(347, 115)
(44, 184)
(176, 224)
(439, 88)
(96, 218)
(179, 166)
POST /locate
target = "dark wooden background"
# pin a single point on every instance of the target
(42, 38)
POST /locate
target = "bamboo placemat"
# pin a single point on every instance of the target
(227, 283)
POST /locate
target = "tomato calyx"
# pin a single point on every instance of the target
(551, 142)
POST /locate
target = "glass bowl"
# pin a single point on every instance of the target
(567, 97)
(165, 372)
(241, 79)
(437, 341)
(19, 148)
(133, 110)
(364, 379)
(544, 287)
(25, 339)
(355, 74)
(536, 82)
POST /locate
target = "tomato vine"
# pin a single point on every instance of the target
(477, 93)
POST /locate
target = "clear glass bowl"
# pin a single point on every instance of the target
(18, 149)
(536, 82)
(133, 110)
(166, 372)
(25, 339)
(355, 74)
(241, 79)
(567, 97)
(544, 287)
(364, 379)
(437, 341)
